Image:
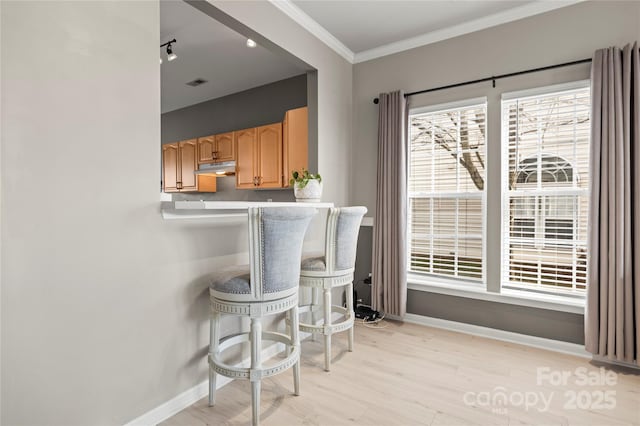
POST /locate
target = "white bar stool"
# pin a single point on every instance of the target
(334, 269)
(267, 286)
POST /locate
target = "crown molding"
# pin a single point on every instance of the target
(520, 12)
(510, 15)
(309, 24)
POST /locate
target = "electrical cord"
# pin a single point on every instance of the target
(372, 323)
(377, 323)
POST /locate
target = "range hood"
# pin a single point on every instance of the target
(219, 169)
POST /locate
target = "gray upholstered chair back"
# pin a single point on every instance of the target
(276, 235)
(343, 226)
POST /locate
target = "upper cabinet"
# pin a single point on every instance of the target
(267, 155)
(295, 142)
(259, 157)
(170, 168)
(246, 166)
(216, 148)
(269, 144)
(206, 149)
(188, 164)
(225, 147)
(179, 162)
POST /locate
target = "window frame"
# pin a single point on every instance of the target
(453, 281)
(540, 198)
(486, 291)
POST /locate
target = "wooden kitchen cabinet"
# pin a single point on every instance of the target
(265, 156)
(259, 157)
(206, 149)
(170, 168)
(295, 142)
(187, 159)
(225, 147)
(269, 142)
(246, 168)
(179, 161)
(216, 148)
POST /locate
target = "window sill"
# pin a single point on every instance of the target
(512, 297)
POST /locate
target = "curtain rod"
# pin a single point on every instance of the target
(494, 78)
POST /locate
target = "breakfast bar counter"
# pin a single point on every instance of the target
(224, 209)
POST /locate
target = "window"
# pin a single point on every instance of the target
(446, 190)
(545, 190)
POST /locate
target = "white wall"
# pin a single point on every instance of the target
(104, 304)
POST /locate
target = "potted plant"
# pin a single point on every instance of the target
(307, 187)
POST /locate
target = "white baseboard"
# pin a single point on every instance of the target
(177, 404)
(506, 336)
(191, 396)
(606, 360)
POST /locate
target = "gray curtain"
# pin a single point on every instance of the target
(389, 275)
(612, 325)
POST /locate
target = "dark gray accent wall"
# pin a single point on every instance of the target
(563, 326)
(549, 324)
(254, 107)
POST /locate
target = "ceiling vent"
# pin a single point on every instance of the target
(196, 82)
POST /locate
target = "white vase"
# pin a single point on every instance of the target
(311, 193)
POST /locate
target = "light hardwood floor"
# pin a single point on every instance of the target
(408, 374)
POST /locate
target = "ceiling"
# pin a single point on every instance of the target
(361, 30)
(209, 50)
(383, 22)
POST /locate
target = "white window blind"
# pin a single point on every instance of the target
(446, 191)
(545, 188)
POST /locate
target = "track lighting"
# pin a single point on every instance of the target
(170, 55)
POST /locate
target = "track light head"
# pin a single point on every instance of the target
(170, 55)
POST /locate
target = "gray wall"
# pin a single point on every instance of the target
(104, 304)
(563, 35)
(250, 108)
(545, 323)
